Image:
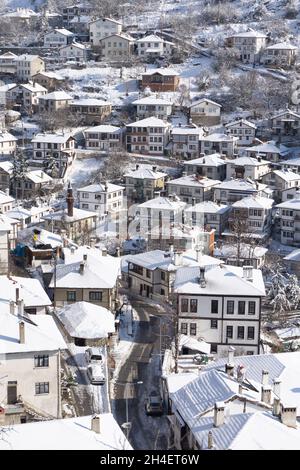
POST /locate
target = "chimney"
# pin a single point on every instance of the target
(266, 392)
(21, 332)
(70, 200)
(210, 440)
(199, 255)
(276, 387)
(202, 281)
(177, 258)
(92, 242)
(95, 424)
(137, 167)
(229, 367)
(259, 159)
(118, 252)
(85, 257)
(20, 305)
(219, 414)
(17, 294)
(171, 248)
(72, 250)
(104, 252)
(156, 194)
(289, 416)
(248, 273)
(11, 307)
(81, 268)
(265, 377)
(276, 407)
(106, 186)
(154, 168)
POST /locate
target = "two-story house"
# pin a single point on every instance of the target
(117, 47)
(8, 144)
(280, 55)
(205, 112)
(243, 129)
(49, 80)
(74, 51)
(256, 212)
(280, 180)
(104, 137)
(212, 166)
(185, 141)
(250, 45)
(163, 79)
(143, 181)
(28, 65)
(191, 188)
(6, 202)
(106, 198)
(55, 101)
(208, 214)
(147, 136)
(153, 106)
(152, 46)
(103, 27)
(289, 212)
(59, 148)
(90, 111)
(268, 151)
(233, 190)
(218, 143)
(286, 123)
(26, 96)
(247, 167)
(221, 305)
(58, 38)
(31, 185)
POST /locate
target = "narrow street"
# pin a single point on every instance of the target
(143, 365)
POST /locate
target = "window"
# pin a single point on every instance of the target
(184, 305)
(41, 361)
(250, 333)
(193, 329)
(230, 307)
(193, 305)
(214, 324)
(41, 387)
(148, 273)
(229, 331)
(95, 295)
(71, 296)
(162, 291)
(163, 276)
(251, 308)
(213, 348)
(184, 328)
(214, 306)
(241, 332)
(241, 307)
(249, 353)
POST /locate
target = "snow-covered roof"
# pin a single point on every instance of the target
(33, 87)
(209, 207)
(293, 204)
(89, 102)
(177, 381)
(8, 87)
(287, 175)
(118, 35)
(150, 38)
(293, 256)
(194, 180)
(86, 320)
(70, 434)
(49, 74)
(78, 214)
(291, 162)
(167, 72)
(41, 334)
(30, 290)
(7, 137)
(213, 159)
(194, 344)
(108, 20)
(246, 251)
(258, 202)
(43, 237)
(288, 333)
(62, 31)
(186, 130)
(38, 176)
(5, 198)
(249, 34)
(237, 185)
(81, 19)
(166, 203)
(268, 147)
(100, 188)
(248, 161)
(100, 272)
(152, 100)
(149, 122)
(220, 280)
(144, 172)
(27, 57)
(105, 128)
(219, 137)
(52, 138)
(282, 45)
(284, 112)
(77, 45)
(18, 213)
(243, 122)
(205, 100)
(57, 96)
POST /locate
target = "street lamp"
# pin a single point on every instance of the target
(127, 424)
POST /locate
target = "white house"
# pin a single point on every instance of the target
(29, 364)
(57, 148)
(286, 123)
(8, 143)
(91, 111)
(5, 229)
(268, 151)
(74, 51)
(280, 55)
(148, 136)
(247, 167)
(185, 141)
(192, 188)
(153, 106)
(233, 190)
(208, 214)
(106, 198)
(280, 180)
(28, 65)
(103, 137)
(250, 45)
(221, 305)
(256, 211)
(143, 181)
(205, 112)
(212, 166)
(117, 47)
(27, 289)
(153, 46)
(54, 101)
(289, 212)
(58, 38)
(218, 143)
(6, 202)
(243, 129)
(103, 27)
(26, 95)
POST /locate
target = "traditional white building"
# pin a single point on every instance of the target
(26, 95)
(256, 211)
(208, 214)
(74, 51)
(268, 151)
(205, 112)
(218, 143)
(28, 65)
(289, 212)
(185, 141)
(243, 129)
(57, 147)
(148, 136)
(153, 46)
(117, 47)
(192, 188)
(143, 181)
(58, 38)
(280, 55)
(221, 305)
(54, 101)
(6, 202)
(250, 45)
(212, 166)
(104, 137)
(286, 123)
(280, 180)
(102, 198)
(103, 27)
(153, 106)
(247, 167)
(8, 143)
(231, 191)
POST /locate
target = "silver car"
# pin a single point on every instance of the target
(95, 374)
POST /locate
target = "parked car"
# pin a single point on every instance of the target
(93, 355)
(95, 374)
(154, 405)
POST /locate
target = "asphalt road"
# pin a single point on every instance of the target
(143, 365)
